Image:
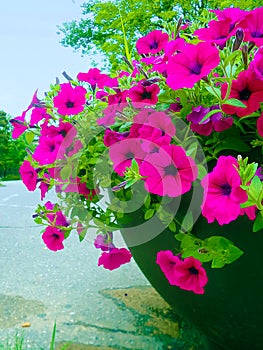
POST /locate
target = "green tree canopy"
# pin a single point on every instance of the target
(12, 152)
(100, 30)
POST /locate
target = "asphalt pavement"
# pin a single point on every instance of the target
(92, 306)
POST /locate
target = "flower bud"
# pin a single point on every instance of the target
(245, 55)
(239, 39)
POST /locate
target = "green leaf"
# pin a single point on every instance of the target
(217, 262)
(29, 137)
(65, 172)
(235, 102)
(172, 226)
(209, 114)
(148, 214)
(233, 144)
(258, 223)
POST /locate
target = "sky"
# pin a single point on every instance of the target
(31, 56)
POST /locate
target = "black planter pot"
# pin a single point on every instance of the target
(230, 313)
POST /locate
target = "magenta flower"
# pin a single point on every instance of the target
(48, 149)
(37, 115)
(215, 122)
(248, 90)
(104, 242)
(140, 94)
(257, 64)
(53, 238)
(190, 275)
(70, 100)
(169, 172)
(152, 43)
(174, 47)
(114, 258)
(191, 65)
(253, 26)
(218, 32)
(167, 261)
(95, 78)
(223, 194)
(111, 136)
(236, 14)
(123, 152)
(19, 125)
(44, 185)
(28, 175)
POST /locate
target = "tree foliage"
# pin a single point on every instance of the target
(100, 30)
(12, 152)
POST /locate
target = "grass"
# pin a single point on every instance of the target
(16, 344)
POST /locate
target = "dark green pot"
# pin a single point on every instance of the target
(230, 313)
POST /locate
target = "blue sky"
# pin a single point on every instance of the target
(31, 56)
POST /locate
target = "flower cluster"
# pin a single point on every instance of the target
(186, 113)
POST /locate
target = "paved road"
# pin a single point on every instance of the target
(91, 305)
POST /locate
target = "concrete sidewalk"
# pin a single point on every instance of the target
(92, 306)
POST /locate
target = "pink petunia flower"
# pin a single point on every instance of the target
(236, 14)
(191, 65)
(190, 275)
(53, 238)
(104, 242)
(167, 261)
(215, 122)
(28, 175)
(140, 94)
(95, 78)
(123, 152)
(223, 194)
(111, 136)
(253, 26)
(19, 125)
(187, 274)
(248, 90)
(37, 115)
(169, 172)
(70, 100)
(152, 43)
(256, 65)
(218, 32)
(48, 149)
(114, 258)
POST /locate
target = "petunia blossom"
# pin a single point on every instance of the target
(253, 26)
(28, 175)
(223, 194)
(167, 261)
(19, 125)
(169, 172)
(123, 152)
(104, 242)
(53, 238)
(152, 43)
(256, 65)
(141, 95)
(114, 258)
(218, 32)
(191, 65)
(247, 89)
(215, 122)
(70, 100)
(190, 275)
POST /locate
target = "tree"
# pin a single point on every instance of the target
(100, 31)
(12, 152)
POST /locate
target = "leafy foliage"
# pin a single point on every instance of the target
(100, 32)
(12, 151)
